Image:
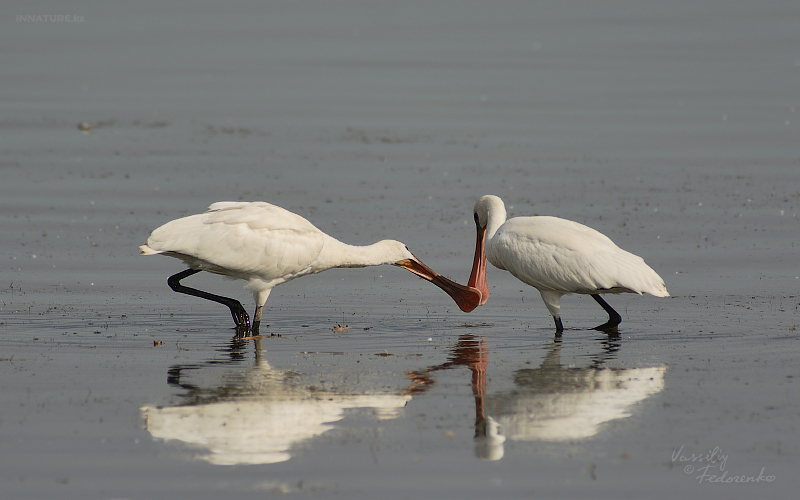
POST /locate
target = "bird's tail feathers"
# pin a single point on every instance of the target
(660, 291)
(640, 277)
(146, 250)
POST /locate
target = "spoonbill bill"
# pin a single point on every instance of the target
(557, 257)
(267, 245)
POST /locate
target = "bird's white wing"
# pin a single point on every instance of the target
(241, 239)
(557, 254)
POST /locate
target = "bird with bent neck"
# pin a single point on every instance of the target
(557, 257)
(266, 246)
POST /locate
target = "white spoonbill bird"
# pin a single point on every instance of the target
(557, 257)
(266, 246)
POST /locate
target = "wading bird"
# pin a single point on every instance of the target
(557, 257)
(266, 246)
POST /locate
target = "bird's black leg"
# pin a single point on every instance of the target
(614, 319)
(240, 316)
(257, 319)
(559, 326)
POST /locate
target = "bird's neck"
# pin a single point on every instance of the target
(337, 254)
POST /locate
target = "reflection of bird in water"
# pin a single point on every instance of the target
(256, 417)
(557, 257)
(266, 246)
(548, 403)
(553, 403)
(472, 353)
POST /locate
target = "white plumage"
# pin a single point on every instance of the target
(259, 242)
(557, 257)
(266, 246)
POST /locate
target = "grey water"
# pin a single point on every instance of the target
(670, 127)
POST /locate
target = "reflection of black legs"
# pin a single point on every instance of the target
(240, 316)
(614, 319)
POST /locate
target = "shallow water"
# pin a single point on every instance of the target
(671, 129)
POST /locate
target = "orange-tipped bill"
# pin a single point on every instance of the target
(477, 278)
(467, 298)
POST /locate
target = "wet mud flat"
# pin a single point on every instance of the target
(114, 386)
(145, 403)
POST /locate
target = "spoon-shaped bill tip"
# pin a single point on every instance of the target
(466, 297)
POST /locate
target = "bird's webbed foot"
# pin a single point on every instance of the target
(609, 327)
(241, 318)
(242, 331)
(614, 319)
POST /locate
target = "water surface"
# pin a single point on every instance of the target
(670, 128)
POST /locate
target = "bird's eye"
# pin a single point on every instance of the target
(476, 216)
(408, 248)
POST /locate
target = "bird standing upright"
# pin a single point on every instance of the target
(266, 246)
(557, 257)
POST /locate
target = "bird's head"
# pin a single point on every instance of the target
(488, 207)
(488, 210)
